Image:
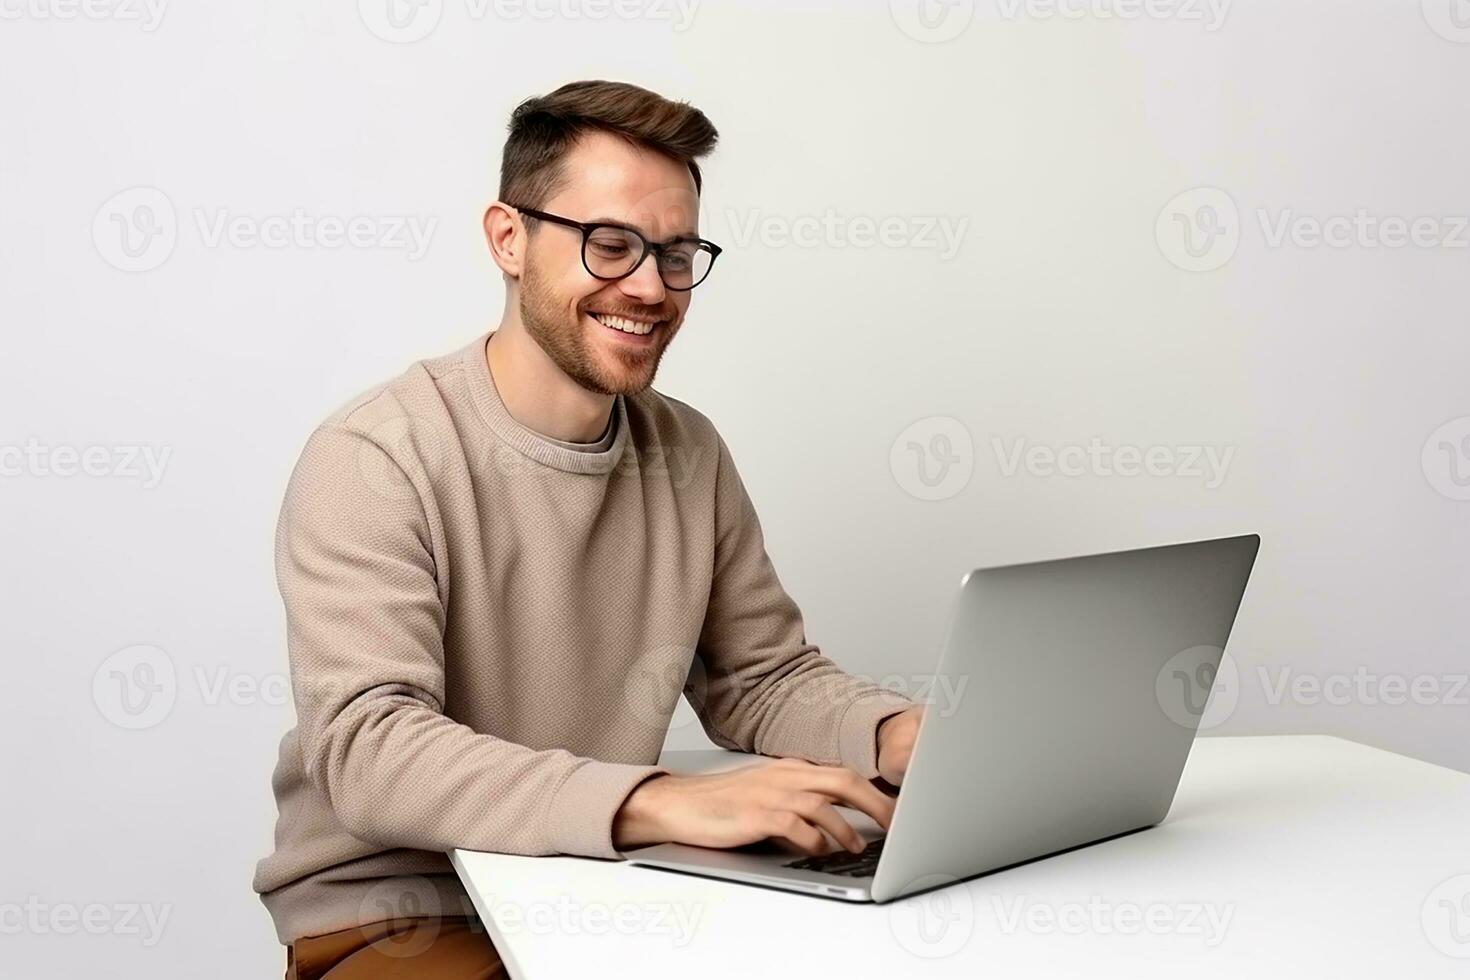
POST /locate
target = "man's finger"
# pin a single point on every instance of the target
(850, 789)
(814, 808)
(788, 826)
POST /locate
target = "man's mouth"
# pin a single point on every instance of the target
(635, 326)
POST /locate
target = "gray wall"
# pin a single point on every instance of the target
(1085, 236)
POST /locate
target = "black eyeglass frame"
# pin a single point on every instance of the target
(588, 227)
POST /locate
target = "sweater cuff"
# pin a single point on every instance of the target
(857, 740)
(581, 813)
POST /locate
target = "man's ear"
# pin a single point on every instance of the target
(506, 236)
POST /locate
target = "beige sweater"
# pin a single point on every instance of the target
(489, 631)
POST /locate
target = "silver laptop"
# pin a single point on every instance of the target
(1084, 680)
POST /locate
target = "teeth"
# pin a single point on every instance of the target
(623, 324)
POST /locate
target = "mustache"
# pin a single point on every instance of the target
(653, 312)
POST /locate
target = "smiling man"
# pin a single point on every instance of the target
(502, 568)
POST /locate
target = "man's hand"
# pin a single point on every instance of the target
(787, 799)
(896, 735)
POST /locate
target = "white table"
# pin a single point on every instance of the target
(1290, 856)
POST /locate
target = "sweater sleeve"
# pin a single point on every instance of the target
(759, 686)
(365, 627)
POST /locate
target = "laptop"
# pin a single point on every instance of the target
(1084, 681)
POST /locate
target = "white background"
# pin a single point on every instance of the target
(1060, 145)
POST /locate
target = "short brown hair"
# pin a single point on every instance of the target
(543, 129)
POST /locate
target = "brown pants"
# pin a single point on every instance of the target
(428, 948)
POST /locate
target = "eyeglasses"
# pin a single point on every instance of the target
(611, 252)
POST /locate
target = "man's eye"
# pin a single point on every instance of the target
(610, 249)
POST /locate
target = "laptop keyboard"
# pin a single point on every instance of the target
(846, 863)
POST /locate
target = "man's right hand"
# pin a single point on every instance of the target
(787, 799)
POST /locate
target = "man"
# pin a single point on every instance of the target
(502, 568)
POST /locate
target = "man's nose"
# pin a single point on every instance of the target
(643, 283)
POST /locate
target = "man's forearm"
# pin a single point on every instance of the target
(400, 774)
(759, 685)
(812, 710)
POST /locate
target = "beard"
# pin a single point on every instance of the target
(570, 348)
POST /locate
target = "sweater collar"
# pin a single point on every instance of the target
(528, 442)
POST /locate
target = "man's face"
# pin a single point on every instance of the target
(566, 309)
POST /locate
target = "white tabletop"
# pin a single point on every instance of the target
(1283, 856)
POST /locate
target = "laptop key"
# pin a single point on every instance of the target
(843, 862)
